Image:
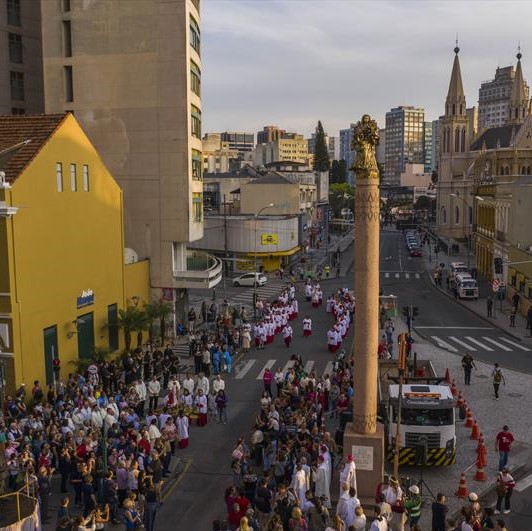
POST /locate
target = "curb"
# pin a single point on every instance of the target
(484, 318)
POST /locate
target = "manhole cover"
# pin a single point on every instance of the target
(481, 376)
(515, 395)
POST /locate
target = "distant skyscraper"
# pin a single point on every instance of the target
(330, 141)
(494, 98)
(238, 141)
(404, 141)
(427, 147)
(269, 133)
(346, 151)
(435, 144)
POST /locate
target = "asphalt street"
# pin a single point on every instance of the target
(440, 320)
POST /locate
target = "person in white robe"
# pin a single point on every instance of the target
(323, 482)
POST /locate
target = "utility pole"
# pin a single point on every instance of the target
(401, 367)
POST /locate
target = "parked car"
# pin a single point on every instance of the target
(415, 251)
(249, 279)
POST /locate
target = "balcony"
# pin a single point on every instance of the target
(203, 271)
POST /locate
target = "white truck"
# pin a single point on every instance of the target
(427, 428)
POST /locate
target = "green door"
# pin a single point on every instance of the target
(85, 335)
(50, 352)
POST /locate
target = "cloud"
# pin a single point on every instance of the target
(292, 62)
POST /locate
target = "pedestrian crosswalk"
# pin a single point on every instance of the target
(255, 369)
(269, 291)
(407, 275)
(479, 343)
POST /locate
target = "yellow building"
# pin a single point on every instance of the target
(62, 273)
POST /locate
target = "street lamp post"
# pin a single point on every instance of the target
(270, 205)
(466, 205)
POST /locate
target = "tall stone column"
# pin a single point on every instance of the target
(364, 437)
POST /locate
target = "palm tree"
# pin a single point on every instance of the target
(140, 324)
(152, 314)
(128, 321)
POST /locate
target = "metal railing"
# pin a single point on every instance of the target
(18, 504)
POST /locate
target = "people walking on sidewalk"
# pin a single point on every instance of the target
(489, 303)
(513, 312)
(468, 364)
(498, 378)
(503, 444)
(505, 487)
(529, 319)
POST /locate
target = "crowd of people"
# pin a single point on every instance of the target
(110, 433)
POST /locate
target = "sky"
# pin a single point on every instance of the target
(293, 62)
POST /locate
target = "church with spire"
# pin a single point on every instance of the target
(484, 194)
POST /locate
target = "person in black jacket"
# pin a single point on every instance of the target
(439, 512)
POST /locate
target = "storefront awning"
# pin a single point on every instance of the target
(290, 252)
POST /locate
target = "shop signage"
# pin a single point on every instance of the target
(269, 239)
(86, 298)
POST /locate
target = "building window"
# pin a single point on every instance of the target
(65, 6)
(13, 12)
(17, 85)
(513, 280)
(195, 121)
(59, 176)
(69, 83)
(18, 110)
(463, 140)
(197, 207)
(85, 177)
(470, 211)
(457, 140)
(73, 180)
(195, 78)
(443, 215)
(67, 38)
(195, 39)
(196, 165)
(15, 48)
(456, 215)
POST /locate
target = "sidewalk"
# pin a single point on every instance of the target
(501, 310)
(490, 416)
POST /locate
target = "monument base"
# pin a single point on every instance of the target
(368, 453)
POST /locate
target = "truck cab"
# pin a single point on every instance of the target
(427, 424)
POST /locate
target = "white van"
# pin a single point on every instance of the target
(466, 286)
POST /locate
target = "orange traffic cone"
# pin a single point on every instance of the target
(469, 419)
(475, 432)
(480, 475)
(462, 491)
(454, 389)
(460, 400)
(447, 376)
(481, 453)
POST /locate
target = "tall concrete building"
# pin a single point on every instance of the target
(238, 140)
(435, 144)
(404, 141)
(494, 98)
(332, 142)
(21, 83)
(131, 73)
(270, 133)
(347, 152)
(427, 147)
(291, 147)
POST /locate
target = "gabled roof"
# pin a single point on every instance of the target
(22, 137)
(496, 137)
(272, 178)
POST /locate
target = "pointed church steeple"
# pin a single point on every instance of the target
(518, 101)
(455, 104)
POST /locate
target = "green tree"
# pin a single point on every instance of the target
(338, 172)
(152, 315)
(163, 311)
(131, 320)
(321, 152)
(340, 196)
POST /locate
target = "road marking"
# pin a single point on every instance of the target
(468, 347)
(289, 365)
(308, 366)
(417, 275)
(444, 344)
(497, 344)
(514, 344)
(523, 484)
(456, 327)
(245, 369)
(473, 340)
(328, 368)
(386, 275)
(269, 365)
(396, 275)
(407, 275)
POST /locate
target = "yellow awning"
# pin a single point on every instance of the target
(290, 252)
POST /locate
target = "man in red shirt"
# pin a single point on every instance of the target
(503, 442)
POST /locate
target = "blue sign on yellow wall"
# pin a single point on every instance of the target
(85, 299)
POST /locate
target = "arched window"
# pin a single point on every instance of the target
(448, 139)
(443, 215)
(523, 170)
(470, 215)
(444, 141)
(463, 140)
(456, 215)
(501, 171)
(460, 108)
(457, 140)
(528, 171)
(454, 109)
(507, 170)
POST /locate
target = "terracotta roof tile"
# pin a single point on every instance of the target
(35, 128)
